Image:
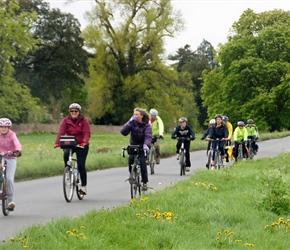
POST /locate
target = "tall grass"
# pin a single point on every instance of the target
(223, 209)
(40, 159)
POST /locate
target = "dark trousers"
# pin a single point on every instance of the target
(237, 149)
(81, 160)
(221, 147)
(142, 165)
(252, 138)
(187, 149)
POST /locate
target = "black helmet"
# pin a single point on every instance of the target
(218, 116)
(250, 121)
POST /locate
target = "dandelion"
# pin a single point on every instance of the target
(75, 230)
(11, 239)
(217, 239)
(82, 227)
(3, 241)
(84, 237)
(203, 184)
(26, 246)
(226, 231)
(266, 226)
(230, 233)
(239, 241)
(214, 189)
(219, 233)
(249, 244)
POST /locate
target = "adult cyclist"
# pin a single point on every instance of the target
(219, 131)
(240, 136)
(157, 132)
(253, 134)
(183, 131)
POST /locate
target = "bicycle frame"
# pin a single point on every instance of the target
(182, 152)
(250, 148)
(217, 153)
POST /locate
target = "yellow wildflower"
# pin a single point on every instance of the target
(266, 226)
(230, 233)
(215, 189)
(239, 241)
(25, 246)
(219, 233)
(82, 227)
(203, 184)
(226, 231)
(11, 239)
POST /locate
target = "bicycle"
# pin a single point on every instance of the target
(71, 175)
(135, 174)
(3, 184)
(182, 158)
(240, 155)
(151, 157)
(218, 161)
(251, 148)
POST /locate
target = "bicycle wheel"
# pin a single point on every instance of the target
(209, 159)
(220, 162)
(151, 162)
(135, 185)
(240, 153)
(68, 184)
(251, 151)
(182, 163)
(4, 199)
(78, 184)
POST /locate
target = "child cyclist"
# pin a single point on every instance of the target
(9, 144)
(183, 130)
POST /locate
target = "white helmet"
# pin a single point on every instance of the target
(182, 119)
(153, 112)
(75, 106)
(212, 121)
(5, 122)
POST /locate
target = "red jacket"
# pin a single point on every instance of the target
(80, 128)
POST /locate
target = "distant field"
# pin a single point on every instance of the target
(40, 159)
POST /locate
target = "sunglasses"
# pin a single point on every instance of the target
(74, 111)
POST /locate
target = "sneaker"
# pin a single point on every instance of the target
(83, 190)
(144, 187)
(157, 159)
(11, 206)
(212, 168)
(177, 157)
(187, 169)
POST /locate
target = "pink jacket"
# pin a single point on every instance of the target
(9, 142)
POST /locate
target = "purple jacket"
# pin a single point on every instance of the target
(141, 133)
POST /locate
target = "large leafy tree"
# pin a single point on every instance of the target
(16, 101)
(54, 71)
(253, 80)
(128, 70)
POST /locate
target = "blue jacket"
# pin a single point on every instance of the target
(218, 132)
(141, 133)
(187, 132)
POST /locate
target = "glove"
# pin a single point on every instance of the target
(133, 118)
(145, 147)
(17, 153)
(256, 138)
(173, 137)
(161, 137)
(202, 138)
(192, 138)
(56, 145)
(83, 144)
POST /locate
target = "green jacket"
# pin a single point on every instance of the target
(240, 134)
(157, 126)
(252, 131)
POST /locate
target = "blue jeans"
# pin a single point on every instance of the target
(221, 146)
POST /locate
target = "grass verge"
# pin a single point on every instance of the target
(234, 208)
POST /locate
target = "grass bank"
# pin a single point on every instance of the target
(40, 159)
(246, 205)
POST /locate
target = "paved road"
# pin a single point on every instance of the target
(39, 201)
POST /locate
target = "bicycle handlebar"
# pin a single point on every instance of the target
(184, 138)
(9, 153)
(217, 139)
(125, 149)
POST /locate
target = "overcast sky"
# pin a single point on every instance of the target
(205, 19)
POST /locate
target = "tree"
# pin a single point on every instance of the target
(16, 101)
(255, 65)
(127, 69)
(54, 71)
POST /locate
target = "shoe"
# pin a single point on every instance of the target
(187, 169)
(177, 157)
(11, 206)
(157, 159)
(212, 168)
(144, 187)
(83, 190)
(206, 165)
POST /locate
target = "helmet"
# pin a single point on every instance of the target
(212, 121)
(241, 123)
(250, 121)
(153, 112)
(75, 106)
(218, 116)
(182, 119)
(225, 118)
(5, 122)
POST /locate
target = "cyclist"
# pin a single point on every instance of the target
(77, 125)
(240, 136)
(9, 143)
(219, 131)
(228, 142)
(185, 131)
(140, 134)
(157, 131)
(253, 134)
(205, 134)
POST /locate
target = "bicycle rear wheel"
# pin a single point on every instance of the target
(68, 184)
(78, 184)
(182, 163)
(135, 185)
(4, 199)
(240, 152)
(251, 151)
(151, 162)
(209, 159)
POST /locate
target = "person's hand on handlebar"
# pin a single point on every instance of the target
(82, 145)
(56, 145)
(145, 147)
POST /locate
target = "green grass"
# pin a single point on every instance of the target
(40, 159)
(226, 209)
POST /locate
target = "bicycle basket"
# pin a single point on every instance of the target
(133, 150)
(67, 141)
